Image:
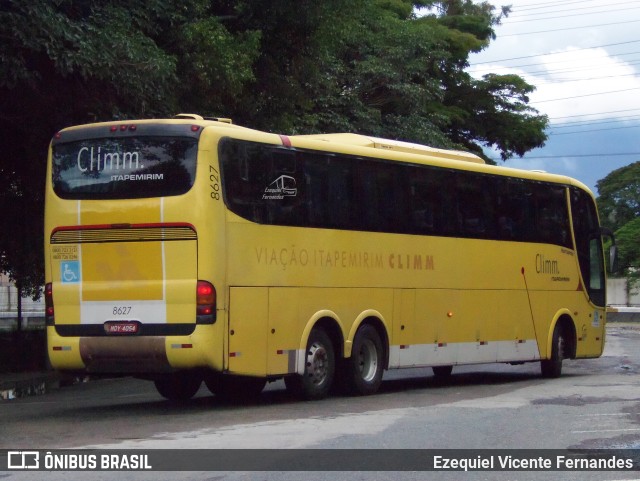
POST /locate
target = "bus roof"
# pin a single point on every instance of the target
(343, 141)
(394, 145)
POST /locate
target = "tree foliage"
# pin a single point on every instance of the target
(619, 196)
(628, 239)
(619, 206)
(296, 66)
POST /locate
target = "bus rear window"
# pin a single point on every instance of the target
(124, 168)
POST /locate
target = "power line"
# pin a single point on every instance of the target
(555, 53)
(547, 8)
(569, 28)
(595, 113)
(568, 70)
(517, 11)
(568, 80)
(587, 95)
(566, 16)
(606, 120)
(594, 130)
(542, 5)
(606, 55)
(555, 71)
(573, 70)
(577, 156)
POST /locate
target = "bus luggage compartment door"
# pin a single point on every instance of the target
(248, 321)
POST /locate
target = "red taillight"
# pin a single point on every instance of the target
(48, 302)
(195, 128)
(206, 293)
(123, 128)
(206, 302)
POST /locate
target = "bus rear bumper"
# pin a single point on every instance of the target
(132, 354)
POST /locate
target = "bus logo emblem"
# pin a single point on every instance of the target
(70, 272)
(283, 186)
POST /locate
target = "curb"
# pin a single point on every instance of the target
(617, 316)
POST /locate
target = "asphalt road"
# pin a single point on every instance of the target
(595, 404)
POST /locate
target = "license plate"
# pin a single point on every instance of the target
(121, 327)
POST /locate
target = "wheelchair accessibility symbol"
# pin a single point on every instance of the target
(70, 271)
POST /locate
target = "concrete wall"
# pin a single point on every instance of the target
(9, 300)
(618, 294)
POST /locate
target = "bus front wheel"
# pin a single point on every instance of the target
(319, 370)
(365, 366)
(178, 386)
(552, 367)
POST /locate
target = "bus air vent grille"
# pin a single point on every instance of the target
(133, 233)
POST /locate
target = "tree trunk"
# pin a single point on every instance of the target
(19, 322)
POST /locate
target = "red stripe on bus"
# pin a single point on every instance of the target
(286, 141)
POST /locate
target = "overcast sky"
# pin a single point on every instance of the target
(584, 59)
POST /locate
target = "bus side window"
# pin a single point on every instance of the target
(339, 192)
(285, 187)
(552, 215)
(430, 202)
(328, 190)
(316, 173)
(376, 186)
(510, 209)
(242, 179)
(423, 203)
(474, 206)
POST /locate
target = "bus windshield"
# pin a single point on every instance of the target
(124, 168)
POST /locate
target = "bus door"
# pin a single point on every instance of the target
(588, 241)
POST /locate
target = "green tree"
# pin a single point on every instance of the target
(619, 196)
(628, 239)
(63, 62)
(619, 206)
(296, 66)
(375, 67)
(68, 62)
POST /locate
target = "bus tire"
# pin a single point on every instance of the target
(552, 367)
(319, 370)
(442, 373)
(366, 364)
(179, 386)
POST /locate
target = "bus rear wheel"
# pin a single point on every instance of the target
(552, 367)
(319, 370)
(178, 386)
(365, 366)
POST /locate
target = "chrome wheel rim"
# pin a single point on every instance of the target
(317, 364)
(368, 360)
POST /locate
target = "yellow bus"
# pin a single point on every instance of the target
(189, 249)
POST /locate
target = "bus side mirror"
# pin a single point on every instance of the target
(613, 258)
(613, 249)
